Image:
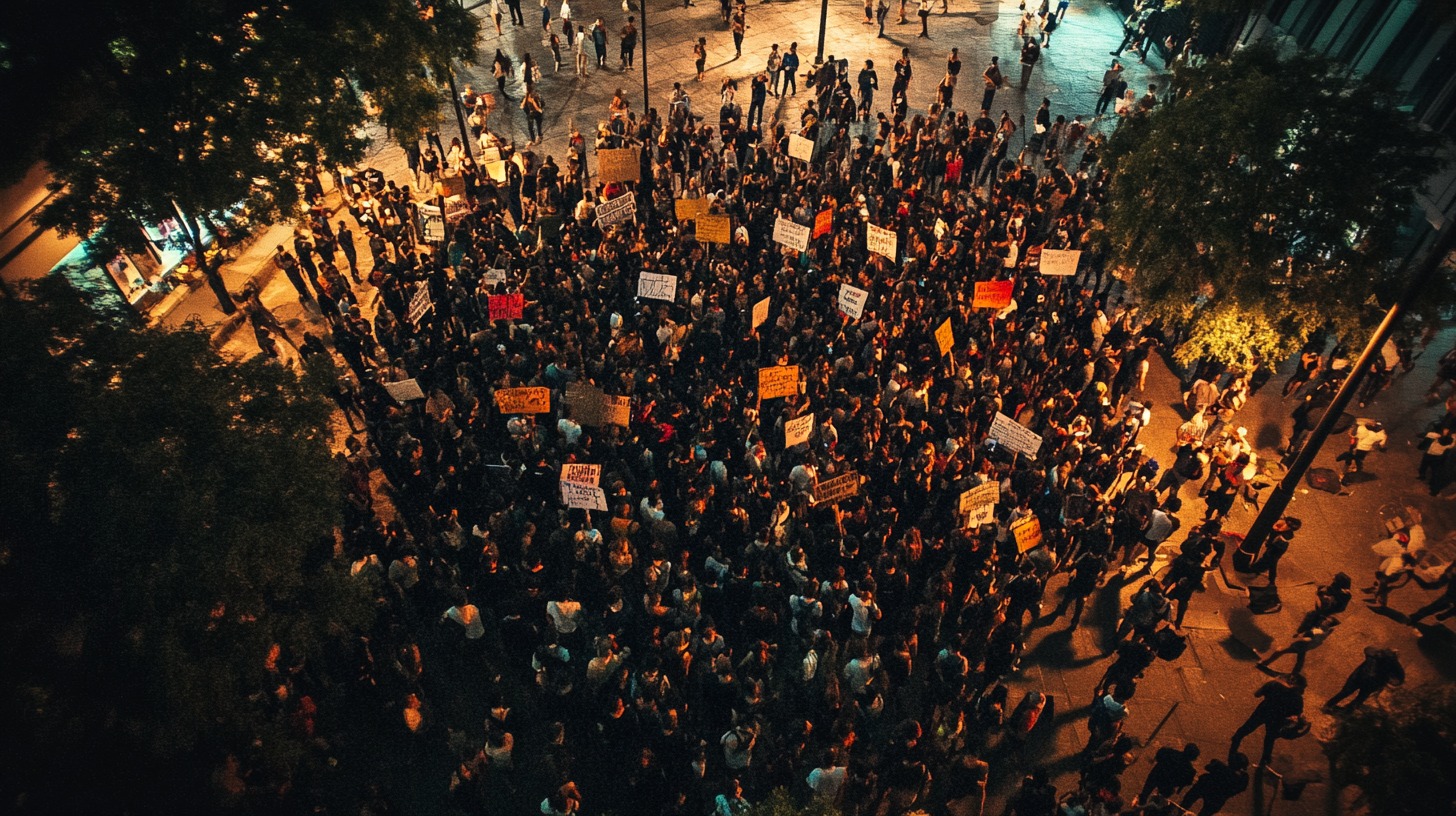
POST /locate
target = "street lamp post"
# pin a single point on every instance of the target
(823, 20)
(459, 116)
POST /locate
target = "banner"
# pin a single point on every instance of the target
(688, 209)
(800, 147)
(979, 504)
(1012, 434)
(1028, 533)
(1060, 263)
(852, 300)
(618, 210)
(796, 431)
(657, 287)
(506, 307)
(589, 475)
(881, 241)
(620, 164)
(760, 312)
(778, 381)
(405, 390)
(583, 497)
(715, 228)
(792, 235)
(420, 304)
(837, 489)
(945, 337)
(993, 294)
(524, 400)
(823, 223)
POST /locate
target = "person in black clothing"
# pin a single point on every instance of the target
(1380, 668)
(1218, 783)
(869, 82)
(345, 238)
(1330, 600)
(1280, 701)
(1172, 771)
(1035, 797)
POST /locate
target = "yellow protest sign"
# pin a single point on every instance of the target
(945, 337)
(778, 381)
(620, 164)
(523, 400)
(716, 228)
(1028, 533)
(688, 209)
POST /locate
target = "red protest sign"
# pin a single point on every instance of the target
(507, 307)
(993, 294)
(823, 223)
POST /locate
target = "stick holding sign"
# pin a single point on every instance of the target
(801, 148)
(945, 337)
(1014, 436)
(1027, 532)
(583, 497)
(796, 431)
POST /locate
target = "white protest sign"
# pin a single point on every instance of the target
(800, 147)
(1060, 262)
(796, 431)
(405, 390)
(978, 504)
(620, 209)
(582, 474)
(852, 300)
(494, 277)
(792, 235)
(1014, 435)
(657, 287)
(881, 241)
(420, 304)
(583, 497)
(760, 312)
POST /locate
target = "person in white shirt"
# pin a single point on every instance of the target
(827, 781)
(468, 616)
(864, 609)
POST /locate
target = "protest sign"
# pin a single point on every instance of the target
(420, 304)
(506, 307)
(1032, 261)
(978, 505)
(449, 186)
(405, 390)
(993, 294)
(1027, 532)
(494, 277)
(658, 287)
(778, 381)
(796, 431)
(852, 300)
(837, 489)
(620, 209)
(617, 410)
(1013, 435)
(688, 209)
(945, 337)
(590, 475)
(823, 223)
(792, 235)
(800, 147)
(1060, 262)
(583, 497)
(496, 170)
(586, 403)
(715, 228)
(881, 241)
(760, 312)
(620, 164)
(432, 223)
(535, 400)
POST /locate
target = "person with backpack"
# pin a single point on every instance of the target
(1380, 668)
(1219, 782)
(1280, 713)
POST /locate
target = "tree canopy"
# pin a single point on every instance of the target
(169, 517)
(196, 108)
(1264, 204)
(1401, 752)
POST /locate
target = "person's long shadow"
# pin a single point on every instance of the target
(1055, 651)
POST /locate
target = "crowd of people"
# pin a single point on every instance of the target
(716, 633)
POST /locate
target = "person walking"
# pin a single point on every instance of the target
(1302, 645)
(496, 13)
(882, 10)
(773, 67)
(739, 26)
(502, 68)
(994, 80)
(1443, 607)
(580, 49)
(535, 116)
(790, 65)
(1112, 88)
(700, 56)
(629, 43)
(1380, 668)
(1030, 54)
(1219, 783)
(869, 82)
(290, 267)
(345, 237)
(758, 95)
(545, 15)
(517, 18)
(599, 42)
(1172, 771)
(903, 72)
(924, 12)
(1280, 708)
(1365, 436)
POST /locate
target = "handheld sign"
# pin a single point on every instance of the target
(620, 209)
(837, 489)
(823, 223)
(760, 312)
(945, 337)
(796, 431)
(506, 307)
(881, 241)
(657, 287)
(852, 300)
(589, 475)
(494, 277)
(405, 390)
(978, 505)
(420, 304)
(778, 381)
(536, 400)
(1012, 434)
(715, 228)
(617, 410)
(800, 147)
(1060, 262)
(1028, 533)
(688, 209)
(620, 164)
(791, 235)
(583, 497)
(993, 294)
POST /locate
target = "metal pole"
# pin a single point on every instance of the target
(823, 20)
(646, 98)
(1280, 497)
(459, 116)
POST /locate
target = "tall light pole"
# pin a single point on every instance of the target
(823, 20)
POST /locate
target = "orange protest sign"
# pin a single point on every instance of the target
(524, 400)
(823, 223)
(993, 294)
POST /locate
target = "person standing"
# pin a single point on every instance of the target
(1437, 445)
(629, 43)
(882, 10)
(545, 15)
(1030, 54)
(903, 72)
(700, 56)
(790, 67)
(580, 49)
(1281, 702)
(994, 80)
(869, 82)
(345, 237)
(1367, 435)
(517, 18)
(1172, 771)
(535, 115)
(924, 12)
(739, 26)
(1112, 88)
(496, 13)
(290, 268)
(758, 95)
(774, 67)
(1062, 9)
(599, 42)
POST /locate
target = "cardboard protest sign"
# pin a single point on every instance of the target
(405, 390)
(494, 277)
(617, 410)
(590, 475)
(881, 241)
(420, 304)
(760, 312)
(778, 381)
(1027, 532)
(657, 287)
(586, 403)
(449, 186)
(506, 307)
(800, 147)
(620, 209)
(715, 228)
(945, 337)
(1060, 262)
(978, 505)
(535, 400)
(796, 431)
(852, 300)
(1013, 435)
(496, 170)
(688, 209)
(583, 497)
(792, 235)
(837, 489)
(993, 294)
(620, 164)
(823, 223)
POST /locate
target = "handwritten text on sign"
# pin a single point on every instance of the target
(945, 337)
(778, 381)
(688, 209)
(792, 235)
(523, 400)
(715, 228)
(1028, 533)
(800, 147)
(881, 241)
(979, 504)
(760, 312)
(420, 305)
(583, 497)
(657, 287)
(1060, 262)
(837, 489)
(1014, 435)
(582, 474)
(796, 431)
(617, 410)
(620, 209)
(405, 390)
(506, 307)
(852, 300)
(993, 294)
(621, 164)
(823, 223)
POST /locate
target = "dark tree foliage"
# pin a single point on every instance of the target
(1264, 203)
(169, 517)
(1400, 753)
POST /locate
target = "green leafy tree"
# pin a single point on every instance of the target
(1264, 203)
(199, 108)
(169, 517)
(1400, 753)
